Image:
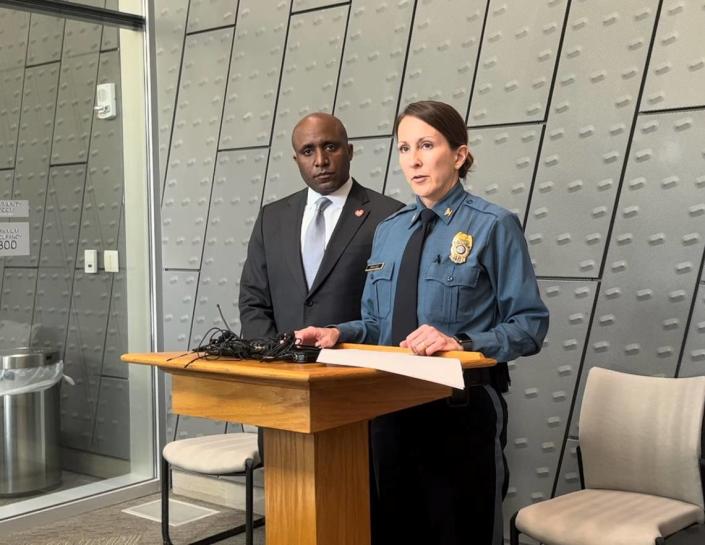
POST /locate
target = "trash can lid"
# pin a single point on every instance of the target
(23, 358)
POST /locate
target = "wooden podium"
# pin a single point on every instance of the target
(315, 418)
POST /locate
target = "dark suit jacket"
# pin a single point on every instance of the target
(273, 294)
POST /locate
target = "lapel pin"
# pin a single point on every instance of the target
(448, 212)
(359, 212)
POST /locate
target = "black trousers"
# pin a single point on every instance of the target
(438, 473)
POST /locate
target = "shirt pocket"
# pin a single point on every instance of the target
(444, 291)
(382, 288)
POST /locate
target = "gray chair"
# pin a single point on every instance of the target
(641, 448)
(225, 454)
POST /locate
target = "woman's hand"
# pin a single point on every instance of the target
(322, 337)
(426, 340)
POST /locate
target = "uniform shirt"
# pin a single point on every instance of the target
(493, 296)
(332, 212)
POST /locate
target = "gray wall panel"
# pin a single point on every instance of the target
(397, 186)
(652, 267)
(179, 294)
(188, 426)
(33, 148)
(676, 75)
(256, 63)
(62, 217)
(569, 474)
(16, 306)
(230, 222)
(373, 66)
(194, 143)
(307, 85)
(300, 5)
(11, 80)
(83, 357)
(170, 25)
(110, 38)
(517, 61)
(369, 162)
(6, 177)
(443, 52)
(82, 38)
(51, 307)
(111, 435)
(74, 109)
(205, 14)
(542, 386)
(116, 340)
(104, 183)
(602, 63)
(14, 30)
(46, 38)
(693, 363)
(504, 167)
(14, 33)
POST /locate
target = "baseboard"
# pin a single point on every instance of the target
(225, 491)
(96, 465)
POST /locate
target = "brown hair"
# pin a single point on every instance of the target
(446, 120)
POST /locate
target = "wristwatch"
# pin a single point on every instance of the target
(464, 340)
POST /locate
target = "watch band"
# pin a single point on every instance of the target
(465, 341)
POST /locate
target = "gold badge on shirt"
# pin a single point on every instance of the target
(460, 247)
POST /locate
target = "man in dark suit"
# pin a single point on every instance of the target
(308, 252)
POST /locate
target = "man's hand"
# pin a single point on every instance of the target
(426, 340)
(322, 337)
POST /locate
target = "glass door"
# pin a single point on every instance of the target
(75, 258)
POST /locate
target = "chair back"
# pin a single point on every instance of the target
(643, 434)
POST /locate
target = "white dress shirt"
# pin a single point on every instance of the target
(331, 214)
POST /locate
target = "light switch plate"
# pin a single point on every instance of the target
(90, 261)
(110, 261)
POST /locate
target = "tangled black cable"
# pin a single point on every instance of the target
(221, 343)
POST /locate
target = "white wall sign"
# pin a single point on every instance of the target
(14, 209)
(14, 238)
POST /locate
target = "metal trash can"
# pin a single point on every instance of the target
(29, 427)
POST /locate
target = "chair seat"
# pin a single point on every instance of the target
(213, 454)
(606, 517)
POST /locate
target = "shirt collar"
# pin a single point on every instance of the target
(337, 198)
(446, 208)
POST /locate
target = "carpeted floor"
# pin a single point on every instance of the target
(110, 526)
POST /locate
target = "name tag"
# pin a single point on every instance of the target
(374, 267)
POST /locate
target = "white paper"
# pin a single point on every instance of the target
(446, 371)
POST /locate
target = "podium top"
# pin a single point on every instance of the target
(189, 362)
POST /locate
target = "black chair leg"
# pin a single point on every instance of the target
(513, 531)
(249, 500)
(166, 540)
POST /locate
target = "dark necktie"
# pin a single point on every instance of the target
(404, 319)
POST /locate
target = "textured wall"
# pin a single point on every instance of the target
(68, 164)
(586, 117)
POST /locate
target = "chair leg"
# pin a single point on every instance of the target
(249, 500)
(166, 540)
(513, 530)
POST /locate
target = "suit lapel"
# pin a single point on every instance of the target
(291, 238)
(352, 216)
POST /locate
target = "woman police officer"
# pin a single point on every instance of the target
(450, 271)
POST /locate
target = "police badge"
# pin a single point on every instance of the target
(460, 248)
